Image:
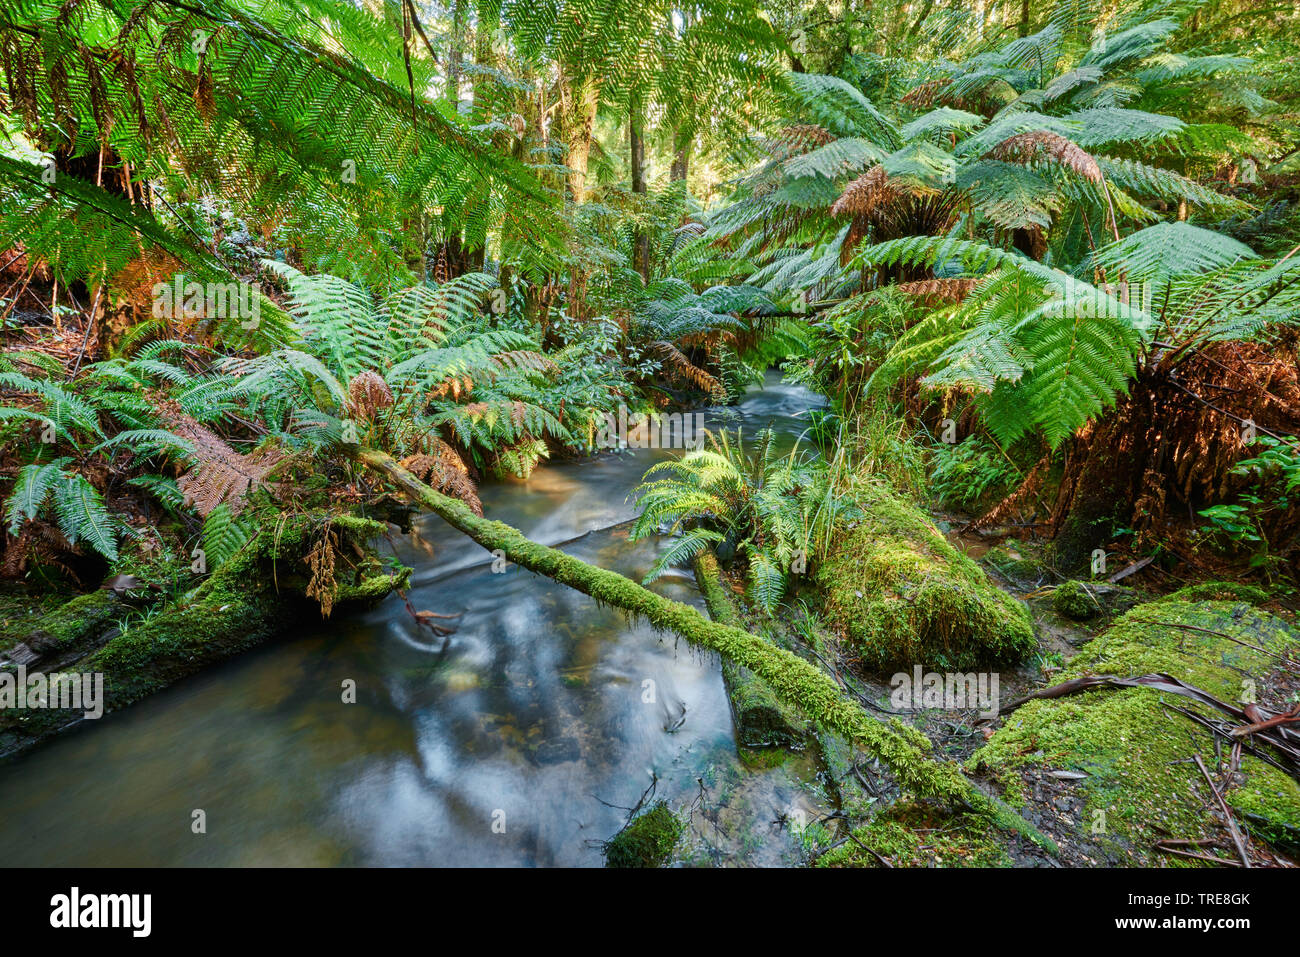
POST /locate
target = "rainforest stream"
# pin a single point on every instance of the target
(522, 739)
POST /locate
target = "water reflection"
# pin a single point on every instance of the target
(513, 743)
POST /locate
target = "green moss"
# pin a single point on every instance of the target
(910, 834)
(1073, 600)
(761, 718)
(1186, 639)
(70, 625)
(1011, 562)
(248, 600)
(1219, 591)
(1136, 752)
(840, 759)
(794, 680)
(1270, 803)
(646, 842)
(20, 607)
(762, 758)
(905, 596)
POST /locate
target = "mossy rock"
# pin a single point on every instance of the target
(1137, 753)
(1220, 591)
(905, 596)
(1073, 600)
(1022, 569)
(648, 841)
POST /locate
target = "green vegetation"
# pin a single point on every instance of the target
(1141, 783)
(647, 841)
(1074, 600)
(911, 835)
(754, 504)
(761, 718)
(275, 273)
(905, 596)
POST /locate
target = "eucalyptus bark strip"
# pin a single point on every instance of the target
(794, 680)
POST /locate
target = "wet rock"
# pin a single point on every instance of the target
(646, 842)
(557, 751)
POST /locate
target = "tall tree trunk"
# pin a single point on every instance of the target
(681, 162)
(636, 140)
(1024, 18)
(456, 55)
(578, 103)
(484, 59)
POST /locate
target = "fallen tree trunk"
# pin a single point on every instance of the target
(794, 680)
(62, 632)
(761, 718)
(257, 595)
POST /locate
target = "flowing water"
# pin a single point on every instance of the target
(522, 739)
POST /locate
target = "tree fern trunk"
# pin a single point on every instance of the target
(681, 162)
(636, 144)
(1099, 501)
(579, 101)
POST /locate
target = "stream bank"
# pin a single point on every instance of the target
(543, 713)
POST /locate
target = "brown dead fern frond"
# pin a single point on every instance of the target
(932, 292)
(222, 474)
(453, 386)
(38, 543)
(368, 394)
(862, 197)
(925, 95)
(1041, 144)
(1026, 493)
(446, 471)
(323, 584)
(803, 137)
(681, 368)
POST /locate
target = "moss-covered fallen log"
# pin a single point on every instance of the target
(256, 595)
(761, 718)
(71, 627)
(905, 596)
(793, 679)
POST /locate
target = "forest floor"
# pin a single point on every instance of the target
(1053, 796)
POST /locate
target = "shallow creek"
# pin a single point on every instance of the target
(520, 740)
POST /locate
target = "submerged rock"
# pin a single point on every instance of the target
(648, 841)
